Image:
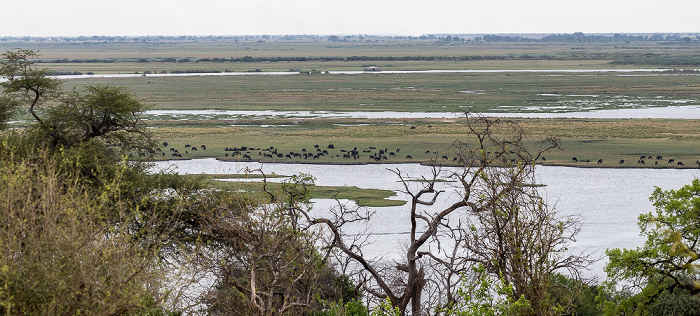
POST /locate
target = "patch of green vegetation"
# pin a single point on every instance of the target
(241, 176)
(362, 197)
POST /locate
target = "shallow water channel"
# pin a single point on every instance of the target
(609, 200)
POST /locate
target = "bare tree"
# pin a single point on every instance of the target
(496, 207)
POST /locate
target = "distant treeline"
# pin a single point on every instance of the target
(661, 61)
(250, 59)
(579, 37)
(620, 59)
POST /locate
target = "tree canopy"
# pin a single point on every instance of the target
(667, 267)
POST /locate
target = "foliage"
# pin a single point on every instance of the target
(108, 114)
(25, 83)
(489, 296)
(61, 254)
(581, 295)
(264, 262)
(667, 265)
(338, 308)
(386, 308)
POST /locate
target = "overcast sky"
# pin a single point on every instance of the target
(344, 17)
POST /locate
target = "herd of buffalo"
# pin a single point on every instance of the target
(643, 161)
(370, 153)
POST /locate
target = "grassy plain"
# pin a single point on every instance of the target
(610, 140)
(424, 92)
(449, 93)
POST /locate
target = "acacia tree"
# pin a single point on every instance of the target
(667, 268)
(101, 112)
(26, 84)
(494, 197)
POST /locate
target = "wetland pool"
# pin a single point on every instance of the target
(608, 200)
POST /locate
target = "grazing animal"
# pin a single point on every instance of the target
(574, 159)
(544, 159)
(413, 127)
(680, 164)
(671, 161)
(659, 158)
(409, 157)
(600, 160)
(203, 147)
(165, 144)
(622, 161)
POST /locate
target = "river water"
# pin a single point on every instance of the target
(655, 71)
(666, 112)
(609, 200)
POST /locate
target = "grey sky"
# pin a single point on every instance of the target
(326, 17)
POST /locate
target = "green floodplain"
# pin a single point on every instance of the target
(646, 74)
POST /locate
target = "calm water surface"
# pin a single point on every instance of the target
(666, 112)
(609, 200)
